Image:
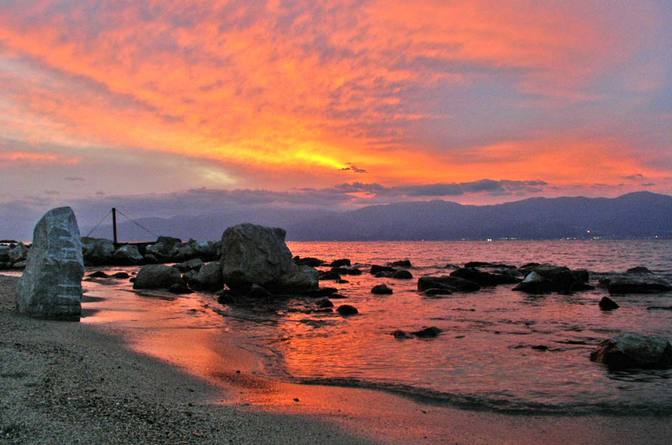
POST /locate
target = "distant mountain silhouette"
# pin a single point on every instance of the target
(636, 215)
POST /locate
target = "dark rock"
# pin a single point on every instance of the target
(346, 271)
(340, 263)
(546, 278)
(121, 275)
(402, 275)
(453, 284)
(542, 348)
(166, 248)
(259, 293)
(406, 264)
(607, 304)
(430, 332)
(384, 274)
(157, 276)
(378, 269)
(226, 297)
(479, 264)
(208, 277)
(484, 278)
(329, 275)
(437, 291)
(346, 310)
(324, 303)
(631, 350)
(381, 289)
(179, 288)
(127, 254)
(321, 292)
(192, 264)
(638, 269)
(98, 274)
(97, 251)
(637, 283)
(659, 308)
(308, 261)
(401, 335)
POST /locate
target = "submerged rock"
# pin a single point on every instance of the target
(452, 284)
(632, 350)
(402, 275)
(346, 310)
(484, 278)
(406, 264)
(121, 275)
(607, 304)
(340, 263)
(259, 255)
(157, 276)
(51, 285)
(308, 261)
(637, 283)
(324, 303)
(376, 269)
(429, 332)
(381, 289)
(486, 264)
(434, 291)
(98, 274)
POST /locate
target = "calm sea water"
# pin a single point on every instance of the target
(484, 359)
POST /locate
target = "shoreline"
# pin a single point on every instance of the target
(87, 383)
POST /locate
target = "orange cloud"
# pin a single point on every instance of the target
(303, 90)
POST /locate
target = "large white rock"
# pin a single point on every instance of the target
(255, 254)
(51, 285)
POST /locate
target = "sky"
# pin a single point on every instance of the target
(332, 103)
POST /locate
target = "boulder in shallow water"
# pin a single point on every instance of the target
(347, 310)
(632, 350)
(51, 285)
(157, 276)
(381, 289)
(258, 255)
(429, 332)
(405, 264)
(340, 263)
(402, 275)
(377, 269)
(208, 277)
(128, 255)
(308, 261)
(546, 278)
(607, 304)
(484, 278)
(452, 284)
(637, 283)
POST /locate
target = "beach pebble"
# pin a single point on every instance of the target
(607, 304)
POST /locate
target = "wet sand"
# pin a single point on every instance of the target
(86, 383)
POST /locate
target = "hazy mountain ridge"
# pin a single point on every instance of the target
(636, 215)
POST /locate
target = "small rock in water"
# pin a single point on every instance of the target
(98, 274)
(324, 303)
(639, 269)
(401, 263)
(376, 269)
(542, 348)
(401, 335)
(607, 304)
(429, 332)
(329, 275)
(632, 350)
(453, 284)
(121, 275)
(308, 261)
(437, 291)
(402, 275)
(381, 289)
(346, 310)
(340, 263)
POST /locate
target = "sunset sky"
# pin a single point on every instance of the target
(335, 103)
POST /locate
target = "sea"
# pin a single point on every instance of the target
(499, 350)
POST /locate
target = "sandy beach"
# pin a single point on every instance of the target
(65, 382)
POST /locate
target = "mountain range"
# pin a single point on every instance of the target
(635, 215)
